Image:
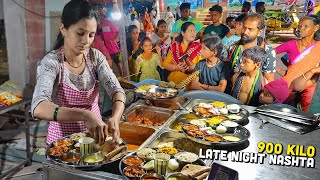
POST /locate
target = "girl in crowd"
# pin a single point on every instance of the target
(66, 91)
(148, 61)
(214, 73)
(184, 54)
(133, 49)
(163, 40)
(307, 33)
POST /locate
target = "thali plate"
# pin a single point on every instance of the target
(56, 159)
(240, 132)
(239, 117)
(157, 93)
(122, 165)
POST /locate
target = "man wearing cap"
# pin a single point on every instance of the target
(185, 17)
(216, 27)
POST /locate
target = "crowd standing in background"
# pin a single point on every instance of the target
(233, 58)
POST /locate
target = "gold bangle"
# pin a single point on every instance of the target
(304, 77)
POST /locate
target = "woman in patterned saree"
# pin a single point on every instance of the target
(184, 54)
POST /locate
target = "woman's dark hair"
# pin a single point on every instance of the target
(160, 22)
(184, 28)
(213, 42)
(144, 40)
(73, 12)
(316, 21)
(131, 28)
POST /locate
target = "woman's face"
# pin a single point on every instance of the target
(190, 34)
(78, 37)
(162, 28)
(206, 52)
(306, 28)
(147, 46)
(134, 34)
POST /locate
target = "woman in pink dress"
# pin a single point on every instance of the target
(67, 87)
(307, 34)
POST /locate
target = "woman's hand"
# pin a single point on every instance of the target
(158, 49)
(96, 127)
(113, 125)
(182, 66)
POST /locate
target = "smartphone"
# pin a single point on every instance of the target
(220, 172)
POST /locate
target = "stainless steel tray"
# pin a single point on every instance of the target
(180, 141)
(137, 135)
(243, 113)
(154, 114)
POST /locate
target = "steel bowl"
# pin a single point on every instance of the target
(179, 176)
(93, 159)
(152, 175)
(71, 158)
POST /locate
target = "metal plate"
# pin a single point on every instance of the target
(239, 131)
(195, 102)
(122, 165)
(81, 166)
(165, 103)
(158, 93)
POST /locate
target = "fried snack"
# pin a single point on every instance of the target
(163, 84)
(194, 170)
(110, 156)
(185, 82)
(171, 84)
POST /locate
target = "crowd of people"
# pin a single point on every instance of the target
(232, 58)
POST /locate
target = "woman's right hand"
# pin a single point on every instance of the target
(96, 127)
(182, 66)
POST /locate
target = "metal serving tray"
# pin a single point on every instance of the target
(154, 114)
(180, 141)
(136, 135)
(165, 103)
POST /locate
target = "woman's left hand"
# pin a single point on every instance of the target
(113, 125)
(158, 48)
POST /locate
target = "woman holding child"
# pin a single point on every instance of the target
(183, 54)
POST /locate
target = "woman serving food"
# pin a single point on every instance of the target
(67, 87)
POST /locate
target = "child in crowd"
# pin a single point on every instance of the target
(148, 61)
(216, 27)
(276, 91)
(232, 36)
(248, 83)
(230, 21)
(214, 73)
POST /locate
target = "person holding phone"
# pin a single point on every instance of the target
(184, 54)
